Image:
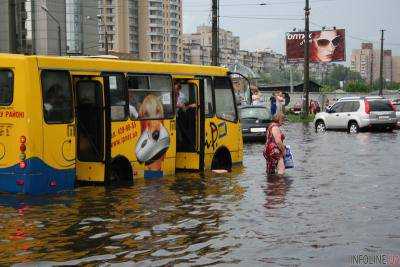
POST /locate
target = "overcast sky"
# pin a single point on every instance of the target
(362, 19)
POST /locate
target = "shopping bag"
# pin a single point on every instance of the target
(288, 159)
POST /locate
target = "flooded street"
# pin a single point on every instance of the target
(342, 199)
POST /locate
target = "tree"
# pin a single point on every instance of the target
(342, 73)
(357, 86)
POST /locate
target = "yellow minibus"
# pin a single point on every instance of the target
(68, 119)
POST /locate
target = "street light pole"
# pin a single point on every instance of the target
(58, 26)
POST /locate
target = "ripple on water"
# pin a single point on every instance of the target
(340, 200)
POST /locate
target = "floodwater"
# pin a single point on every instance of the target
(341, 200)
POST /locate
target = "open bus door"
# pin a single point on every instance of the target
(90, 127)
(188, 128)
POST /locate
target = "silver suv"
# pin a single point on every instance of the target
(355, 113)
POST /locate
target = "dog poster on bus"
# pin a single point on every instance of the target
(154, 140)
(325, 46)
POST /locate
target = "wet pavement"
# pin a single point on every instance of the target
(342, 199)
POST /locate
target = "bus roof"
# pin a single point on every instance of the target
(117, 65)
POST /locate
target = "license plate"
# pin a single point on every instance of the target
(383, 117)
(258, 130)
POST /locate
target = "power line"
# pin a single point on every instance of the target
(261, 18)
(359, 38)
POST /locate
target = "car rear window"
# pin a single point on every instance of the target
(380, 105)
(6, 87)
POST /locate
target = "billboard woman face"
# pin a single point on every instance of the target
(325, 45)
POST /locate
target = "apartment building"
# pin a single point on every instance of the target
(81, 27)
(134, 29)
(41, 27)
(198, 46)
(396, 68)
(143, 29)
(366, 61)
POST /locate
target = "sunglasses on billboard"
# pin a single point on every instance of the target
(325, 42)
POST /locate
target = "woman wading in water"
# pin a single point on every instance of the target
(274, 149)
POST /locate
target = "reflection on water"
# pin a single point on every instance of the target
(275, 191)
(340, 200)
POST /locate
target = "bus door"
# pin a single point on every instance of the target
(58, 130)
(187, 125)
(90, 128)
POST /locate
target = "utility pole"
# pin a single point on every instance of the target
(381, 66)
(306, 84)
(12, 27)
(291, 78)
(215, 32)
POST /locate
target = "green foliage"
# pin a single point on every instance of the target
(392, 86)
(357, 86)
(342, 73)
(280, 76)
(327, 88)
(297, 118)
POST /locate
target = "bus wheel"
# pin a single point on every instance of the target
(222, 160)
(120, 172)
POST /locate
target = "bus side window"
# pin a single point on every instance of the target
(224, 99)
(208, 98)
(57, 97)
(150, 96)
(6, 87)
(161, 87)
(117, 97)
(137, 86)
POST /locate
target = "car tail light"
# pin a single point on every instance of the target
(367, 107)
(392, 105)
(20, 182)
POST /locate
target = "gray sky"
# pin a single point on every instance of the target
(362, 19)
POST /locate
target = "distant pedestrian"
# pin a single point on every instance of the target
(272, 99)
(274, 149)
(280, 102)
(255, 97)
(327, 103)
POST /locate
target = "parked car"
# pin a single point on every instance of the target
(255, 120)
(356, 113)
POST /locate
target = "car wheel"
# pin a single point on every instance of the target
(320, 127)
(353, 127)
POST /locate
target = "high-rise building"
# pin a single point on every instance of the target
(366, 61)
(199, 45)
(82, 27)
(145, 29)
(396, 69)
(135, 29)
(39, 27)
(28, 28)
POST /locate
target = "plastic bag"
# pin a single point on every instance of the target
(288, 159)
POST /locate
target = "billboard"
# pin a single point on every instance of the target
(325, 46)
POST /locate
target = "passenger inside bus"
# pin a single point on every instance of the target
(132, 109)
(185, 103)
(5, 94)
(54, 103)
